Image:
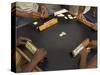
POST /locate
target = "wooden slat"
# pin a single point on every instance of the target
(24, 55)
(20, 54)
(38, 68)
(18, 58)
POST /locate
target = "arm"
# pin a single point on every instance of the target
(93, 44)
(28, 15)
(92, 64)
(21, 41)
(42, 14)
(83, 58)
(82, 19)
(23, 14)
(81, 9)
(38, 57)
(80, 15)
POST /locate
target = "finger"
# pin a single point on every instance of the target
(41, 15)
(22, 43)
(25, 39)
(84, 51)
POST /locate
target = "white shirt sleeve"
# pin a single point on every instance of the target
(87, 8)
(27, 6)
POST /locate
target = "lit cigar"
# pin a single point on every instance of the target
(80, 47)
(32, 48)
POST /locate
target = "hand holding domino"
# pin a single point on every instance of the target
(22, 41)
(79, 48)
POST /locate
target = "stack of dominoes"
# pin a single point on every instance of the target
(48, 24)
(32, 48)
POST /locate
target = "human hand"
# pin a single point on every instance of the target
(40, 54)
(22, 41)
(84, 53)
(35, 15)
(44, 12)
(93, 44)
(81, 17)
(94, 26)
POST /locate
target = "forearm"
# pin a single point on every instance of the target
(83, 60)
(35, 14)
(89, 24)
(28, 15)
(29, 67)
(23, 14)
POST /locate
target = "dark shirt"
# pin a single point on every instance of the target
(91, 15)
